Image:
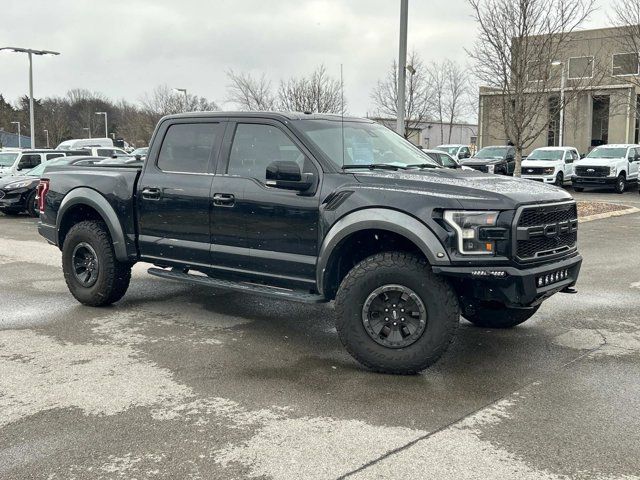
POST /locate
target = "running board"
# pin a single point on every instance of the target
(273, 292)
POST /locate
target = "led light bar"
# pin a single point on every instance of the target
(551, 278)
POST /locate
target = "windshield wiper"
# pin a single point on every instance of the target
(371, 166)
(424, 165)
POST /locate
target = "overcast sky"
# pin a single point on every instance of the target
(123, 48)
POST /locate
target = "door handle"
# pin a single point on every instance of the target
(224, 200)
(151, 193)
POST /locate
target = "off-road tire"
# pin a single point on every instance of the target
(578, 189)
(497, 317)
(439, 299)
(32, 206)
(559, 180)
(113, 276)
(621, 184)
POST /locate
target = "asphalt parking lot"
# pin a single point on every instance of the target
(185, 382)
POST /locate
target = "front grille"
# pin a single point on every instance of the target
(533, 170)
(546, 231)
(587, 171)
(480, 168)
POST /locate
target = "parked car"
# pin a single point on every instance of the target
(608, 165)
(314, 208)
(550, 165)
(457, 151)
(18, 193)
(442, 158)
(105, 151)
(142, 152)
(495, 159)
(77, 143)
(15, 163)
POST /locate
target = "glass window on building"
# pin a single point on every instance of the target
(625, 64)
(580, 67)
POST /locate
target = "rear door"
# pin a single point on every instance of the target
(174, 192)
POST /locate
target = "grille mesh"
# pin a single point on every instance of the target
(596, 171)
(542, 246)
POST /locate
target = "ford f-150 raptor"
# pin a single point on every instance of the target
(316, 208)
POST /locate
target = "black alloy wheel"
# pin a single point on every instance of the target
(86, 266)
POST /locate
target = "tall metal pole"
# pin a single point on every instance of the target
(402, 65)
(562, 86)
(47, 134)
(106, 131)
(32, 123)
(19, 136)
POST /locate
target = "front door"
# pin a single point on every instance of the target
(634, 162)
(268, 232)
(174, 194)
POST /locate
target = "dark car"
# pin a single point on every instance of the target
(496, 159)
(18, 193)
(318, 208)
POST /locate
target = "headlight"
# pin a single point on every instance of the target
(468, 226)
(491, 168)
(549, 170)
(22, 184)
(612, 171)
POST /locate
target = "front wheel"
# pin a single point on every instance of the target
(93, 274)
(32, 205)
(621, 184)
(497, 316)
(394, 315)
(559, 180)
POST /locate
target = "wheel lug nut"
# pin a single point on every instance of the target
(386, 319)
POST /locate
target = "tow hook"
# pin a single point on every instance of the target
(570, 290)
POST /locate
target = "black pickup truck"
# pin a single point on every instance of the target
(314, 208)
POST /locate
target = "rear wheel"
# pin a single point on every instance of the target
(394, 315)
(621, 184)
(497, 316)
(93, 274)
(32, 205)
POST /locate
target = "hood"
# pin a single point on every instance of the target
(585, 162)
(540, 163)
(471, 189)
(7, 180)
(482, 161)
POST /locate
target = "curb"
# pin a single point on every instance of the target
(616, 213)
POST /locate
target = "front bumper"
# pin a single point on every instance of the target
(593, 181)
(14, 199)
(516, 288)
(541, 178)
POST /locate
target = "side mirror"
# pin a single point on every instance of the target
(138, 157)
(286, 175)
(19, 168)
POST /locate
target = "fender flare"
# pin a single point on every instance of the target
(91, 198)
(380, 219)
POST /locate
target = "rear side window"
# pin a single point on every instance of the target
(187, 147)
(104, 152)
(54, 155)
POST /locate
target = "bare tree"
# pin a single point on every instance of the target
(164, 100)
(318, 93)
(449, 86)
(250, 93)
(625, 15)
(418, 94)
(438, 84)
(518, 42)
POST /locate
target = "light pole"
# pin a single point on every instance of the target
(47, 134)
(31, 52)
(106, 134)
(19, 136)
(563, 80)
(184, 92)
(88, 130)
(402, 65)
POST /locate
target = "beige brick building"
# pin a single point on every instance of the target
(602, 107)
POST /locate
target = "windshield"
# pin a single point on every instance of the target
(449, 150)
(542, 154)
(7, 159)
(364, 144)
(39, 170)
(492, 153)
(608, 152)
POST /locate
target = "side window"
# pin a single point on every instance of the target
(631, 154)
(104, 152)
(465, 153)
(187, 147)
(446, 160)
(54, 155)
(435, 157)
(29, 161)
(511, 153)
(255, 146)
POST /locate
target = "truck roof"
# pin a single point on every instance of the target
(283, 116)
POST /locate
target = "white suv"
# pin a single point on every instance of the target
(12, 163)
(459, 152)
(608, 165)
(550, 165)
